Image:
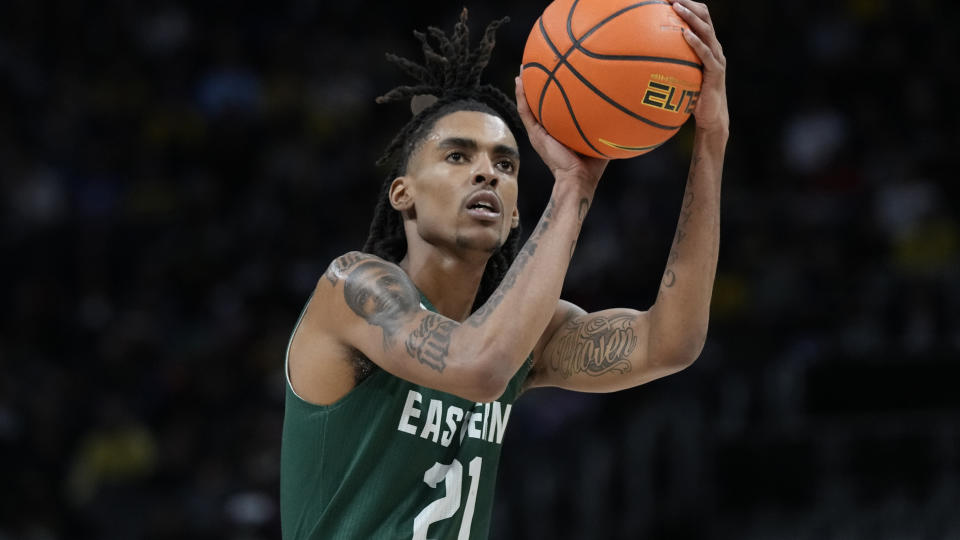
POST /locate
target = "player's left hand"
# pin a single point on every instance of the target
(711, 109)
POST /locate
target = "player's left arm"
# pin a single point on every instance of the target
(620, 348)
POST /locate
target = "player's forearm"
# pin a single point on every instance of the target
(680, 315)
(516, 314)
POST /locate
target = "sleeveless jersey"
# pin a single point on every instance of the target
(391, 459)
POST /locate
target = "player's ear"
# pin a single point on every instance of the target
(401, 197)
(515, 218)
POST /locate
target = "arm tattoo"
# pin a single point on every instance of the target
(581, 213)
(430, 343)
(343, 263)
(669, 276)
(481, 315)
(595, 345)
(382, 295)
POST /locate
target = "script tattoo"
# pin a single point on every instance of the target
(669, 276)
(430, 343)
(382, 295)
(595, 345)
(343, 263)
(481, 315)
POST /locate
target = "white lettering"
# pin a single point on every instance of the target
(484, 421)
(473, 431)
(432, 425)
(447, 437)
(410, 411)
(498, 424)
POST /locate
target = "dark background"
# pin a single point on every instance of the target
(175, 177)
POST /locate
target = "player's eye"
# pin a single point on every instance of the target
(456, 157)
(506, 165)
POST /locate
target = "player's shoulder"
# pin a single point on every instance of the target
(362, 288)
(363, 276)
(340, 267)
(352, 274)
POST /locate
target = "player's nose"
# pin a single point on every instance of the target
(485, 172)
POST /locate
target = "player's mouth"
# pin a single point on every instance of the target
(484, 205)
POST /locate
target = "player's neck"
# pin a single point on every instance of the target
(449, 280)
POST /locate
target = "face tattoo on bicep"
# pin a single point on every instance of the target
(382, 295)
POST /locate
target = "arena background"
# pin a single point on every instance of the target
(175, 176)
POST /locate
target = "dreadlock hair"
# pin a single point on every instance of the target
(450, 74)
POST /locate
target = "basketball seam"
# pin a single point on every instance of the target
(566, 100)
(630, 148)
(632, 58)
(563, 62)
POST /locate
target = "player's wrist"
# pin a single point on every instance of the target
(577, 181)
(573, 191)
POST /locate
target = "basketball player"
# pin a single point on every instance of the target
(405, 363)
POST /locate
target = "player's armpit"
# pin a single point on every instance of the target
(603, 351)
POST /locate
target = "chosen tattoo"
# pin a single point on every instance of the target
(595, 346)
(481, 315)
(343, 263)
(382, 294)
(430, 343)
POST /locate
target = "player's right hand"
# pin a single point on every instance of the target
(565, 164)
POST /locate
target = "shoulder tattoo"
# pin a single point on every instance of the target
(338, 268)
(381, 294)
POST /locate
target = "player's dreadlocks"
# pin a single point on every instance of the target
(450, 75)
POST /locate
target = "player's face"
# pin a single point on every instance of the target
(463, 181)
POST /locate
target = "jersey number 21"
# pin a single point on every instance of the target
(445, 508)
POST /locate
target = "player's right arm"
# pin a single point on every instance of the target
(371, 305)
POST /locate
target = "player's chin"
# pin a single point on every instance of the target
(487, 239)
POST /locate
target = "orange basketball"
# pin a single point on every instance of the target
(610, 78)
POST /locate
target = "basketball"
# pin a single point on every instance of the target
(610, 78)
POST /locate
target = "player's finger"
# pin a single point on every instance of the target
(709, 59)
(697, 7)
(534, 129)
(526, 115)
(702, 28)
(696, 22)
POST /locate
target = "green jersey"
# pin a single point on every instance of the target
(392, 459)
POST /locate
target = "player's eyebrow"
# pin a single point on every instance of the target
(507, 151)
(470, 144)
(458, 142)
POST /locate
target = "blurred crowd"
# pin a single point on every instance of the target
(176, 176)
